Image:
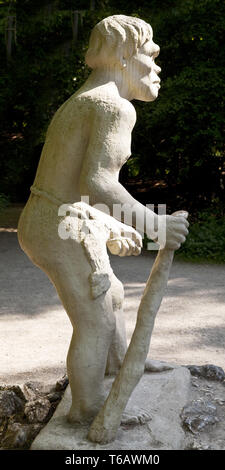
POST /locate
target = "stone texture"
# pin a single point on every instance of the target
(25, 409)
(17, 389)
(37, 410)
(19, 436)
(208, 371)
(161, 395)
(197, 414)
(10, 403)
(32, 390)
(87, 143)
(53, 397)
(61, 384)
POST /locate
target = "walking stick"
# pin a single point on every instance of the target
(106, 423)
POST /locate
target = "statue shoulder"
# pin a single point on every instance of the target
(108, 108)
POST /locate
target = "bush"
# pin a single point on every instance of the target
(4, 201)
(178, 140)
(206, 239)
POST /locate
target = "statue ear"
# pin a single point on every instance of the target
(123, 63)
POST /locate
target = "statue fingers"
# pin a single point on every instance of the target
(125, 247)
(137, 251)
(132, 246)
(114, 245)
(138, 239)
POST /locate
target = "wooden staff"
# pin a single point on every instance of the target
(106, 423)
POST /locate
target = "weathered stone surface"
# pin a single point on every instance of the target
(208, 371)
(24, 411)
(32, 390)
(61, 384)
(160, 395)
(10, 403)
(37, 410)
(19, 436)
(122, 71)
(53, 396)
(17, 389)
(3, 427)
(197, 414)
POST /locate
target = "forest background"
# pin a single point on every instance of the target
(178, 151)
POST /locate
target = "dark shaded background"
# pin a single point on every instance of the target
(178, 146)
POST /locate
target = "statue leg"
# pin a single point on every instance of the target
(93, 324)
(118, 346)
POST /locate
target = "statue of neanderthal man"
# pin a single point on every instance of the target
(87, 142)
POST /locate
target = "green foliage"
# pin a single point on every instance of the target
(181, 134)
(45, 68)
(4, 201)
(206, 239)
(177, 141)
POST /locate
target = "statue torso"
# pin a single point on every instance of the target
(85, 118)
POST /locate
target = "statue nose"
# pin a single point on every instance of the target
(156, 49)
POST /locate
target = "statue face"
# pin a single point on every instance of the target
(143, 72)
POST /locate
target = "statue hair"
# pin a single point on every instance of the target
(116, 38)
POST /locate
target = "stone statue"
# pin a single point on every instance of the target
(87, 142)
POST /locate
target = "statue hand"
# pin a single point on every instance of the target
(125, 242)
(176, 229)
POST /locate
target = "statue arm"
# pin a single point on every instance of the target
(108, 149)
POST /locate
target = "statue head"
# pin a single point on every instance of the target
(127, 43)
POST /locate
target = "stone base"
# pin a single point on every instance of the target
(163, 395)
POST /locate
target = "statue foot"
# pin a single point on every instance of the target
(76, 417)
(139, 417)
(152, 365)
(103, 432)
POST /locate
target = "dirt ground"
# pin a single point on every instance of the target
(35, 332)
(190, 326)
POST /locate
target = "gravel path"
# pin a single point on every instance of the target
(35, 331)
